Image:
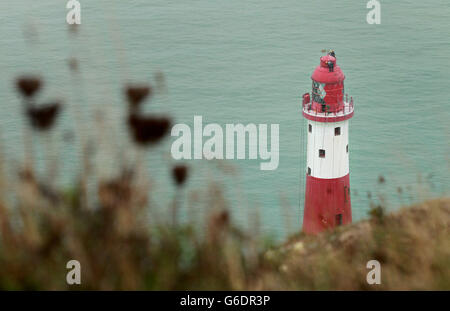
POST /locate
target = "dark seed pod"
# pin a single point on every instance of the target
(148, 129)
(179, 174)
(137, 94)
(43, 118)
(28, 86)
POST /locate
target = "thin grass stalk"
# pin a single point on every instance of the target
(78, 95)
(27, 140)
(175, 206)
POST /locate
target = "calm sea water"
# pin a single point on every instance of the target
(246, 62)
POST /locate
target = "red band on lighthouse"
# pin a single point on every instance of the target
(327, 193)
(327, 203)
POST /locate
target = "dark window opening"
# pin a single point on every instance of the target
(337, 131)
(339, 219)
(346, 148)
(321, 153)
(309, 171)
(310, 128)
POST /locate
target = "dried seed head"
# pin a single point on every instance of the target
(43, 118)
(73, 64)
(136, 94)
(30, 32)
(74, 29)
(222, 219)
(218, 223)
(28, 86)
(26, 175)
(148, 130)
(160, 82)
(381, 179)
(179, 174)
(116, 192)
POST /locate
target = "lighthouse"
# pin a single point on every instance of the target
(327, 111)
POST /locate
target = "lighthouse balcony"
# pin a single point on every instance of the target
(328, 116)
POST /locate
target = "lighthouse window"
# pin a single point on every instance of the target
(309, 171)
(346, 148)
(321, 153)
(318, 92)
(337, 131)
(310, 128)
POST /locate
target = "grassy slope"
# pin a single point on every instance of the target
(118, 251)
(412, 245)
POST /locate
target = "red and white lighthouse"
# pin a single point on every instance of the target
(328, 112)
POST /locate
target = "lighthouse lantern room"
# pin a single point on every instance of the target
(328, 111)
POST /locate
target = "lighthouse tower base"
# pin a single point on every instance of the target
(327, 203)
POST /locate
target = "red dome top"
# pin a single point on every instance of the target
(328, 86)
(323, 74)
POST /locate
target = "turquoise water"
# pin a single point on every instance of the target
(247, 62)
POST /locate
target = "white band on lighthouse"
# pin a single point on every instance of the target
(327, 150)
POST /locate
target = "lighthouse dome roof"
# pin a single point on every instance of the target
(328, 71)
